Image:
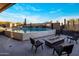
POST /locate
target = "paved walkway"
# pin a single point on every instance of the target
(11, 47)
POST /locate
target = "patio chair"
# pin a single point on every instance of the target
(60, 50)
(74, 38)
(36, 44)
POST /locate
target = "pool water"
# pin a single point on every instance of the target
(31, 29)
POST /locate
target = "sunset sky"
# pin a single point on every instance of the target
(40, 12)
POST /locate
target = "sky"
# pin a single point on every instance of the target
(40, 12)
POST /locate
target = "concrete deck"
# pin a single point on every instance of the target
(11, 47)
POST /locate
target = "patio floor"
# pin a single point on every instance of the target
(10, 47)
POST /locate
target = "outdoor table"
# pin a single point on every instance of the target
(55, 42)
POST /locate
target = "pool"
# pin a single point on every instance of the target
(28, 29)
(20, 35)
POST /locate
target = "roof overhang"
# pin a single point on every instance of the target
(4, 6)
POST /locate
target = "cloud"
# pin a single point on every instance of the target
(11, 17)
(34, 19)
(71, 4)
(24, 7)
(8, 16)
(70, 17)
(55, 11)
(20, 17)
(40, 19)
(19, 8)
(30, 7)
(61, 18)
(35, 9)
